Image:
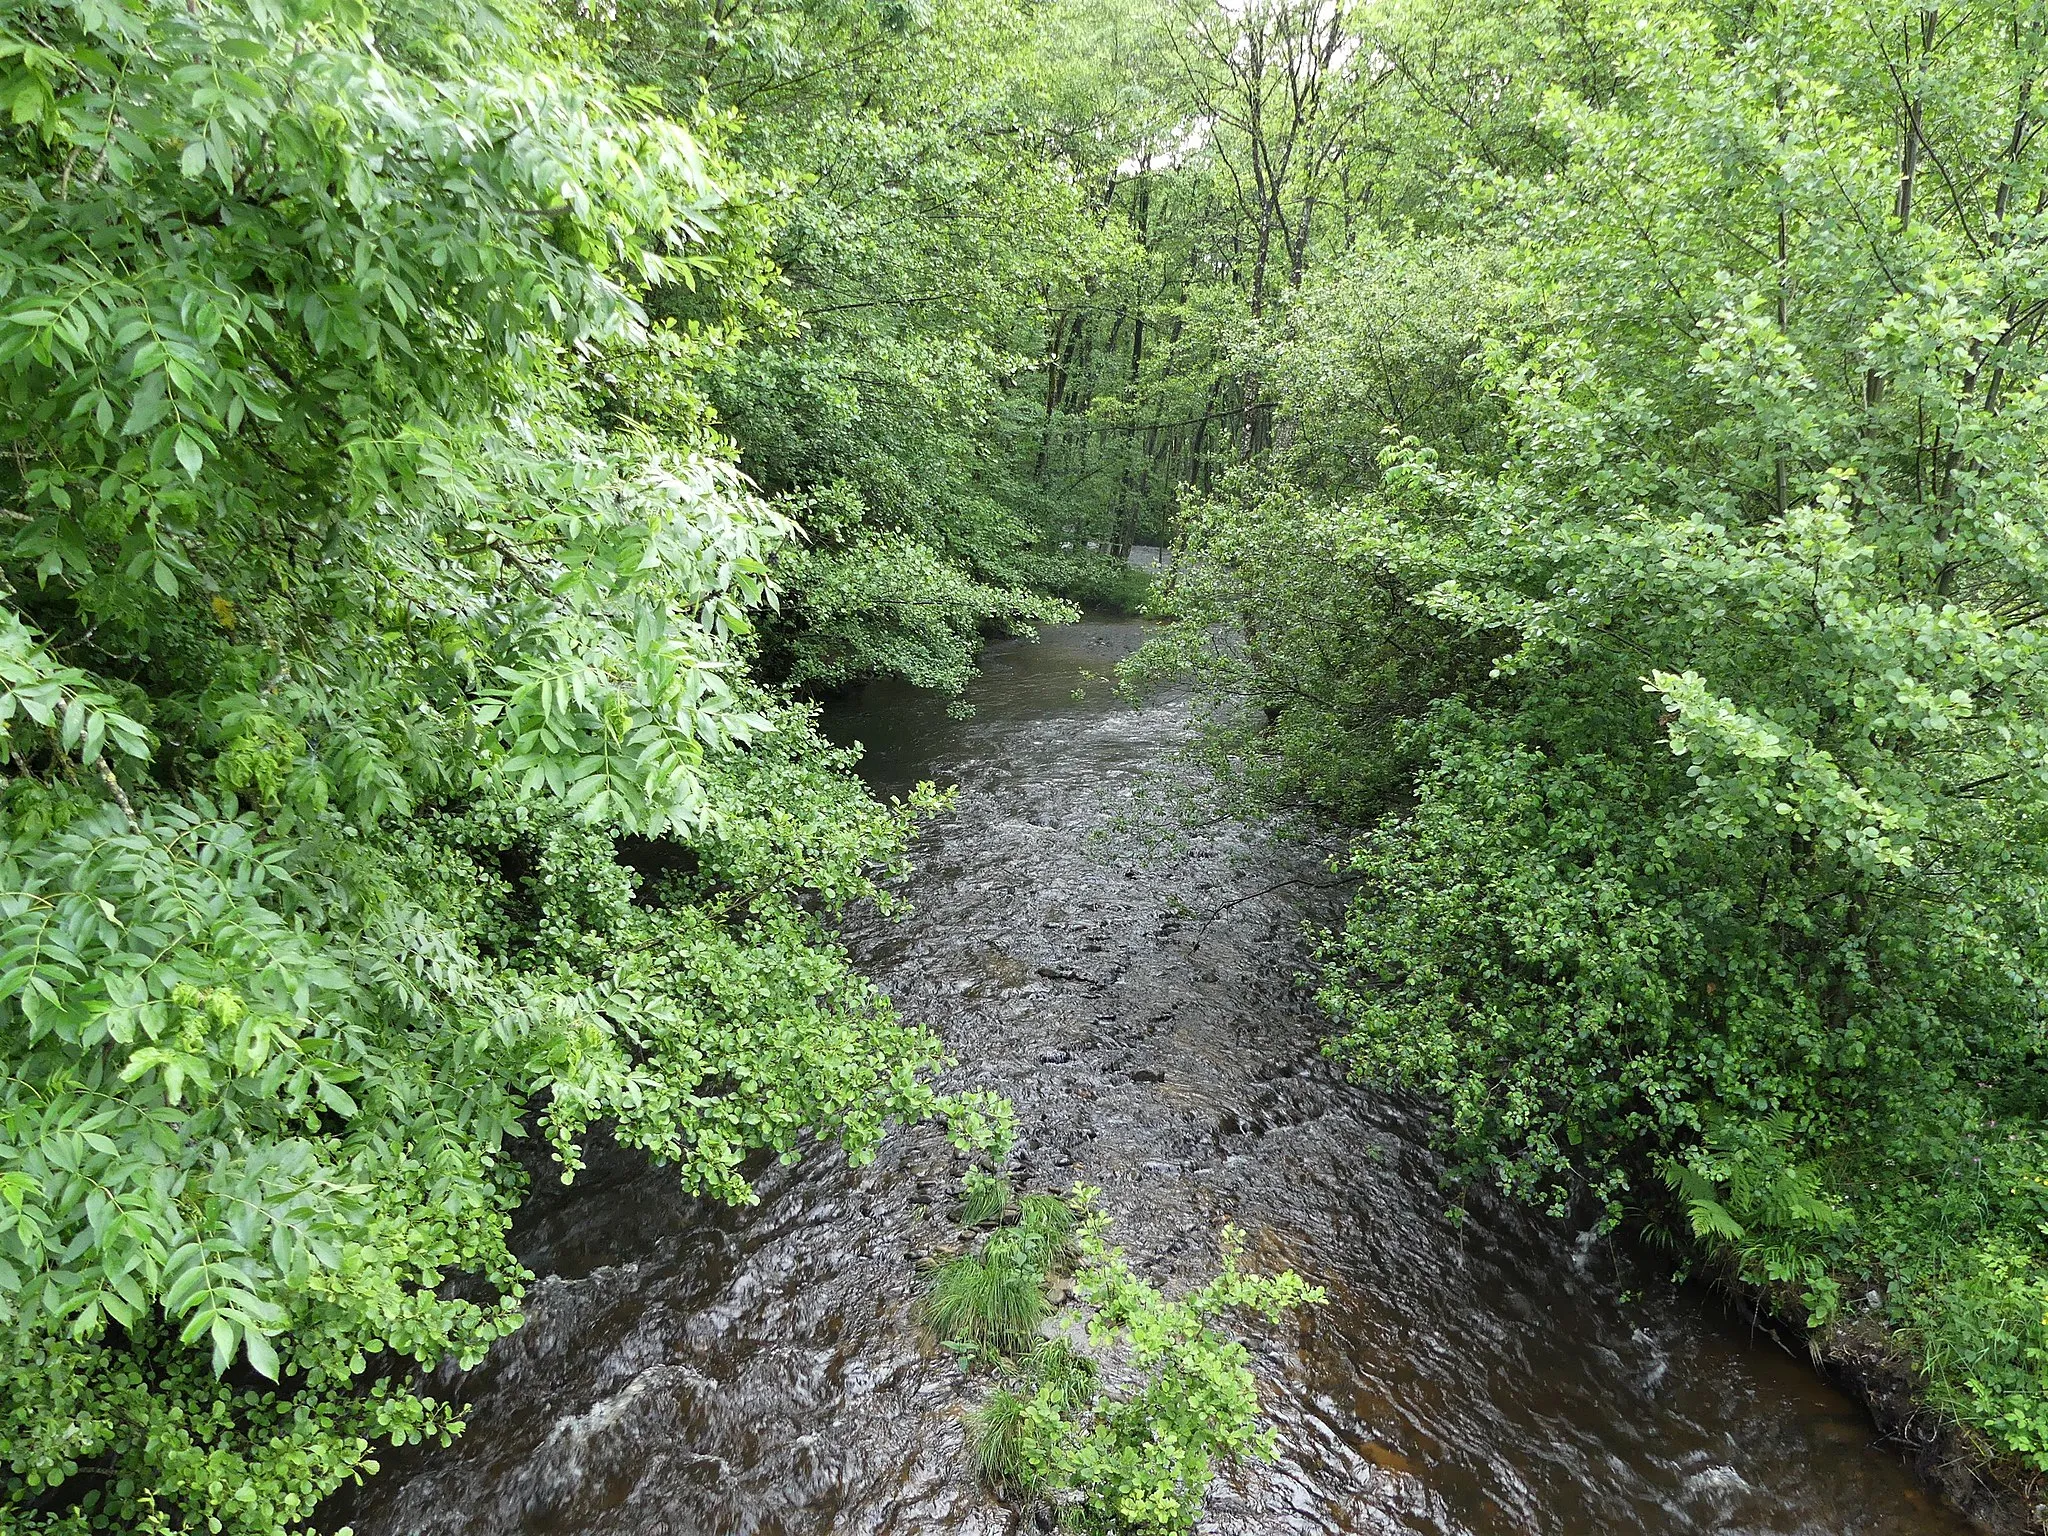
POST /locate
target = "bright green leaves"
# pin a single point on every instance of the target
(1771, 772)
(890, 607)
(1685, 657)
(333, 603)
(630, 682)
(1745, 1193)
(155, 1002)
(1121, 1422)
(394, 231)
(260, 1085)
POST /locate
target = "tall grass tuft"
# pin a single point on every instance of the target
(998, 1429)
(990, 1300)
(1069, 1373)
(1045, 1224)
(984, 1199)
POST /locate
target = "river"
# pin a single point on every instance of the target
(691, 1370)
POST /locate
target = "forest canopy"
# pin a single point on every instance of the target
(453, 445)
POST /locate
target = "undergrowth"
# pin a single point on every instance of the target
(1935, 1243)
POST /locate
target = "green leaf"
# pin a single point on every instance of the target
(262, 1356)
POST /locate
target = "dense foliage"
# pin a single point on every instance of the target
(1647, 560)
(446, 444)
(384, 777)
(916, 177)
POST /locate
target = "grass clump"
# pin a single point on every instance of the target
(1053, 1382)
(1050, 1218)
(1068, 1372)
(993, 1302)
(1043, 1236)
(987, 1302)
(984, 1199)
(998, 1431)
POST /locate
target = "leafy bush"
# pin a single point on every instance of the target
(1088, 577)
(1635, 541)
(891, 607)
(1122, 1439)
(1295, 622)
(1128, 1447)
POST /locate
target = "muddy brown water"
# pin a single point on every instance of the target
(691, 1370)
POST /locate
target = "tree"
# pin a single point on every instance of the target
(1693, 703)
(919, 175)
(383, 779)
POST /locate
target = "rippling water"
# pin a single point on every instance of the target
(688, 1370)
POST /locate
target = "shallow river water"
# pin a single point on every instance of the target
(688, 1370)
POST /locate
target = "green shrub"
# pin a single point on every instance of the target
(888, 606)
(1085, 576)
(1136, 1457)
(1732, 862)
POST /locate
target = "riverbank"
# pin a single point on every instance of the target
(1997, 1493)
(1869, 1362)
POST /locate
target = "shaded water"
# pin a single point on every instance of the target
(687, 1370)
